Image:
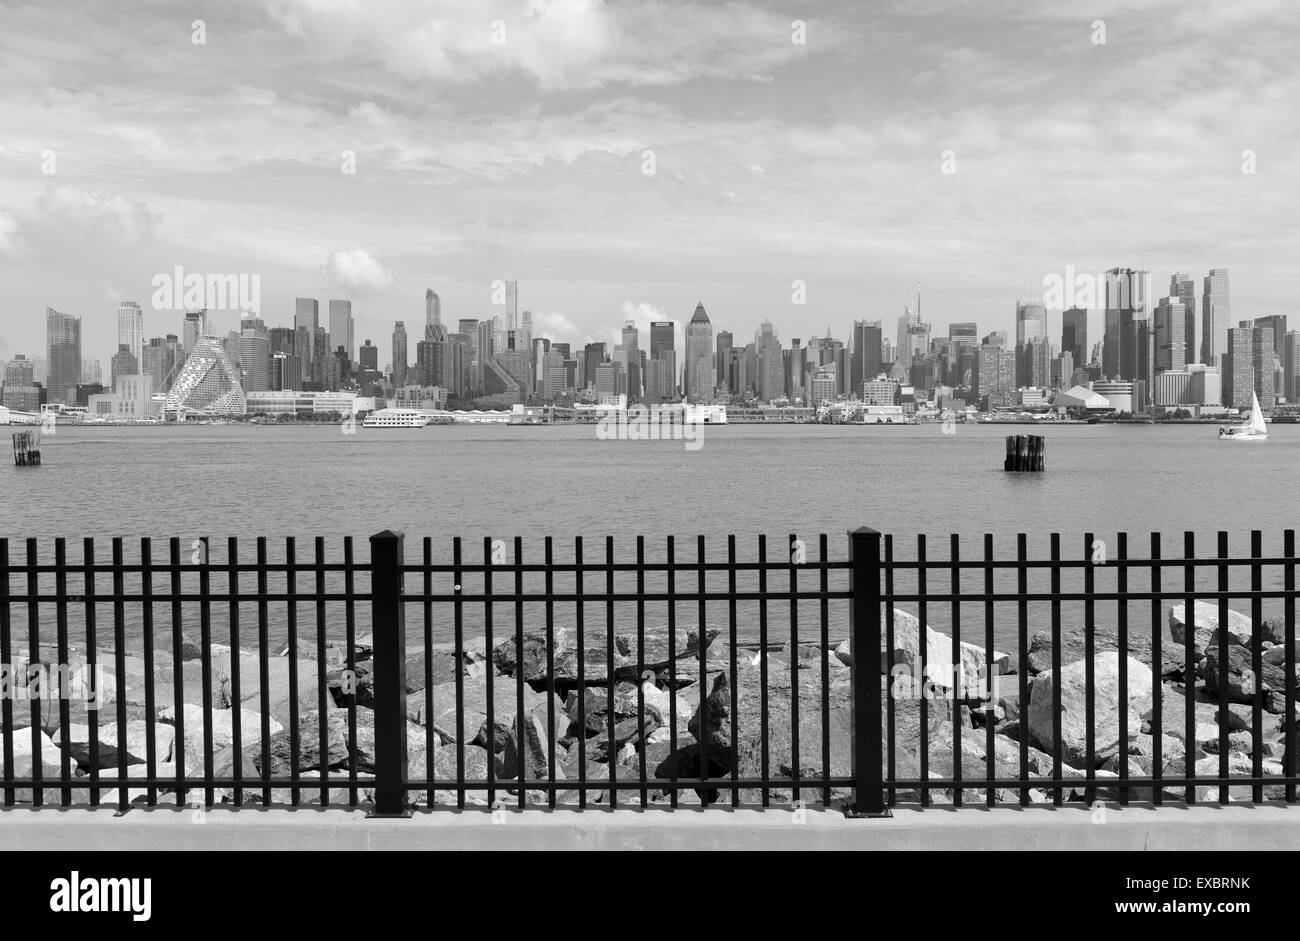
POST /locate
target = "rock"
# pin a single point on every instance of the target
(1242, 680)
(309, 755)
(1074, 647)
(504, 693)
(190, 731)
(939, 663)
(844, 652)
(535, 653)
(1108, 712)
(1206, 616)
(1276, 656)
(46, 753)
(628, 730)
(476, 768)
(1238, 765)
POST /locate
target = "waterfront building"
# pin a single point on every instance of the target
(699, 378)
(208, 382)
(306, 317)
(342, 327)
(130, 328)
(1215, 313)
(63, 353)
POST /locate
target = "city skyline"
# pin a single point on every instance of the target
(768, 167)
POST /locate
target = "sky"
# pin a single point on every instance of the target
(804, 163)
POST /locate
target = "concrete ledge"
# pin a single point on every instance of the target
(1137, 827)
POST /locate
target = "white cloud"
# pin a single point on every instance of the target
(97, 213)
(555, 326)
(357, 270)
(10, 241)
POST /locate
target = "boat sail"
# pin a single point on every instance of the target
(1252, 429)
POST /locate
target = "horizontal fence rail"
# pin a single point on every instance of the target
(639, 672)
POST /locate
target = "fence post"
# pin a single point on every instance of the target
(389, 655)
(864, 640)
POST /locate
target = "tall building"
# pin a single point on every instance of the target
(1262, 365)
(722, 368)
(207, 383)
(342, 327)
(1170, 335)
(1031, 322)
(1127, 301)
(512, 305)
(401, 359)
(1291, 366)
(1183, 287)
(865, 355)
(699, 376)
(993, 379)
(130, 328)
(255, 360)
(122, 363)
(63, 352)
(368, 357)
(913, 337)
(433, 316)
(306, 316)
(1238, 366)
(661, 375)
(593, 354)
(1074, 334)
(769, 381)
(1214, 316)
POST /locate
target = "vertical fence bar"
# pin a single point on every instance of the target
(33, 657)
(178, 674)
(1022, 667)
(701, 647)
(430, 758)
(765, 732)
(922, 667)
(6, 656)
(350, 641)
(263, 667)
(1121, 615)
(550, 678)
(150, 706)
(1189, 665)
(1257, 665)
(735, 677)
(643, 676)
(1288, 643)
(521, 735)
(890, 709)
(291, 625)
(92, 660)
(990, 676)
(1157, 665)
(322, 728)
(794, 662)
(491, 697)
(205, 671)
(864, 676)
(388, 621)
(671, 549)
(459, 628)
(119, 665)
(580, 613)
(1223, 662)
(958, 677)
(61, 640)
(236, 664)
(822, 548)
(1056, 669)
(612, 751)
(1090, 670)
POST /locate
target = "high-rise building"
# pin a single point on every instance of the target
(342, 327)
(865, 355)
(699, 370)
(368, 357)
(208, 382)
(1127, 300)
(993, 379)
(661, 374)
(1291, 366)
(122, 363)
(433, 316)
(1262, 365)
(593, 354)
(769, 380)
(130, 328)
(1031, 322)
(512, 305)
(400, 358)
(1214, 316)
(1074, 334)
(1183, 287)
(63, 351)
(1238, 366)
(913, 337)
(306, 316)
(1170, 335)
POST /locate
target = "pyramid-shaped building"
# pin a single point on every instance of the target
(208, 383)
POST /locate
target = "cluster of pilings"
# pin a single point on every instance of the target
(27, 449)
(1025, 453)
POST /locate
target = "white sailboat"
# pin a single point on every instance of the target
(1252, 429)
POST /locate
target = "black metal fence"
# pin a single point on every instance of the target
(668, 672)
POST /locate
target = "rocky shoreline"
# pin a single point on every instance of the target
(666, 680)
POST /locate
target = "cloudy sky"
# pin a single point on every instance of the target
(511, 139)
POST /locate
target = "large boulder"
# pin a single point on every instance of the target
(536, 653)
(310, 756)
(444, 716)
(938, 654)
(1205, 622)
(190, 730)
(1109, 712)
(1242, 679)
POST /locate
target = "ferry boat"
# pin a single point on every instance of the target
(397, 418)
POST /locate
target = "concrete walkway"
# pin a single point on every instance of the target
(1206, 827)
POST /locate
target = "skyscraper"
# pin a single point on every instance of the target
(1238, 366)
(1261, 361)
(195, 328)
(699, 377)
(1074, 335)
(433, 316)
(130, 328)
(63, 351)
(865, 357)
(769, 380)
(400, 356)
(122, 363)
(1127, 300)
(722, 367)
(1183, 287)
(913, 337)
(1214, 316)
(1170, 334)
(512, 305)
(342, 327)
(662, 368)
(306, 315)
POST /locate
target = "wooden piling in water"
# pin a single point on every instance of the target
(27, 449)
(1025, 453)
